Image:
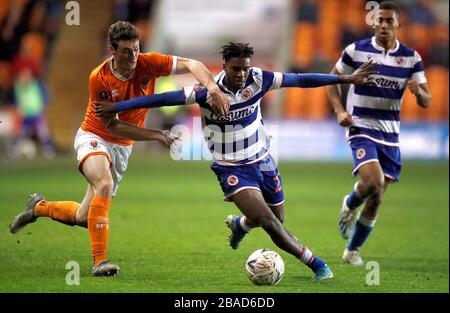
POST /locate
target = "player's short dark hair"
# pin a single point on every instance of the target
(122, 30)
(236, 50)
(390, 5)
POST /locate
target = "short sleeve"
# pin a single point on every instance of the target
(196, 94)
(418, 71)
(160, 64)
(276, 81)
(345, 64)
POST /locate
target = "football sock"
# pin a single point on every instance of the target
(62, 211)
(354, 200)
(363, 228)
(243, 223)
(310, 260)
(98, 225)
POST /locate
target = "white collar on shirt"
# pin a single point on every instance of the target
(378, 47)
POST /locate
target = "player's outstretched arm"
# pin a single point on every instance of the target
(360, 77)
(219, 102)
(170, 98)
(133, 132)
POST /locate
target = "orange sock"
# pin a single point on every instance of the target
(98, 225)
(62, 211)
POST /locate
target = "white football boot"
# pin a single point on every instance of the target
(346, 222)
(352, 257)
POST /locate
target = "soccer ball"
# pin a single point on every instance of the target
(264, 267)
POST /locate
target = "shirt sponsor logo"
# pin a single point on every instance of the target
(234, 115)
(386, 83)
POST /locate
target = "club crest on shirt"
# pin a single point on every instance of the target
(360, 153)
(400, 60)
(246, 93)
(93, 144)
(232, 180)
(103, 95)
(143, 81)
(198, 87)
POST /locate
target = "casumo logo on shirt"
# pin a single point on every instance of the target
(234, 115)
(386, 83)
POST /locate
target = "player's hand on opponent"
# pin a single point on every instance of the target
(344, 118)
(169, 140)
(362, 75)
(413, 86)
(219, 102)
(104, 107)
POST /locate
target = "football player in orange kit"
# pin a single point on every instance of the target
(102, 157)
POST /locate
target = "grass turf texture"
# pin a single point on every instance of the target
(168, 232)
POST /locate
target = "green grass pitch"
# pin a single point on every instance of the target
(168, 233)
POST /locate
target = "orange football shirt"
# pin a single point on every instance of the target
(106, 84)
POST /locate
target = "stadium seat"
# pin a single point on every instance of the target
(317, 103)
(34, 45)
(438, 84)
(5, 75)
(4, 7)
(145, 29)
(419, 35)
(410, 109)
(293, 103)
(303, 46)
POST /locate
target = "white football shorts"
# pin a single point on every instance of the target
(87, 144)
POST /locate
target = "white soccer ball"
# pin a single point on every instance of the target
(265, 267)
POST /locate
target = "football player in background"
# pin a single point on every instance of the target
(372, 121)
(102, 156)
(240, 144)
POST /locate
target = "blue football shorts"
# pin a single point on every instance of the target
(365, 150)
(262, 175)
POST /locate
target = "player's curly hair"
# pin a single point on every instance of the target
(122, 30)
(236, 50)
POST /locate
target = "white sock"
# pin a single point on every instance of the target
(244, 225)
(365, 221)
(306, 255)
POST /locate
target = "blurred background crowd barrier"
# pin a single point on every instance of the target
(45, 64)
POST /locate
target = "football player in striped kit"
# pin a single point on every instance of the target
(372, 120)
(240, 144)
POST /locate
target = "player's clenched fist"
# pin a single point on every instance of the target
(344, 118)
(413, 86)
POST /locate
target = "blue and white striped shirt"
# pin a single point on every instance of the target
(376, 109)
(239, 137)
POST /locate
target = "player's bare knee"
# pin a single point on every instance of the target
(271, 224)
(374, 186)
(280, 216)
(104, 188)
